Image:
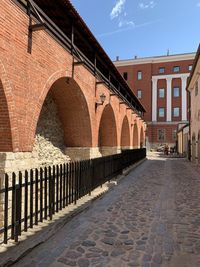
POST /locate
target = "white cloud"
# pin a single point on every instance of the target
(126, 23)
(198, 4)
(117, 9)
(150, 4)
(128, 28)
(118, 13)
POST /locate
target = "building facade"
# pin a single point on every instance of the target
(194, 89)
(160, 84)
(183, 137)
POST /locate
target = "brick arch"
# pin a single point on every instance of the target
(141, 137)
(107, 128)
(125, 133)
(135, 136)
(72, 109)
(74, 113)
(9, 136)
(5, 127)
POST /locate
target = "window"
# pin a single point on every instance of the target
(190, 67)
(176, 69)
(176, 92)
(196, 88)
(161, 134)
(161, 112)
(174, 132)
(161, 93)
(125, 75)
(162, 70)
(176, 112)
(139, 75)
(139, 93)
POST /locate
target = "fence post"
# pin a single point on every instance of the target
(18, 208)
(1, 200)
(6, 210)
(91, 176)
(50, 194)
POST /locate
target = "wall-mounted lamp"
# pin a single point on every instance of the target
(102, 100)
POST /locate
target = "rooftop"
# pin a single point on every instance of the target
(155, 59)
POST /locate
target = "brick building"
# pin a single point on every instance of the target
(160, 84)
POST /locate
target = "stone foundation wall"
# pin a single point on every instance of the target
(82, 153)
(106, 151)
(49, 145)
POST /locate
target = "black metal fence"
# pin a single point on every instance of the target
(30, 197)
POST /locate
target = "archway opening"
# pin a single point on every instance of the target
(125, 134)
(5, 127)
(142, 137)
(63, 129)
(199, 147)
(193, 147)
(135, 136)
(107, 132)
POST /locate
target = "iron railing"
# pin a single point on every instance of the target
(33, 196)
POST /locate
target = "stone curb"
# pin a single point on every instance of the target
(13, 252)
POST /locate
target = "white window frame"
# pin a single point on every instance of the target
(139, 95)
(174, 88)
(139, 75)
(162, 70)
(159, 112)
(174, 115)
(161, 90)
(176, 69)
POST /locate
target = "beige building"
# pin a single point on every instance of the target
(183, 139)
(194, 88)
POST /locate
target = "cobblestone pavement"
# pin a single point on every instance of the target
(151, 219)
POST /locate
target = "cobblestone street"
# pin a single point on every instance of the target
(151, 219)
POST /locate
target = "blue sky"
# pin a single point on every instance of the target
(126, 28)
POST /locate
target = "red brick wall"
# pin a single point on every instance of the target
(153, 133)
(144, 84)
(28, 77)
(169, 67)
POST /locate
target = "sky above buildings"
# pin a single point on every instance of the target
(128, 28)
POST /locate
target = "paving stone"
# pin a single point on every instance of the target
(88, 243)
(125, 232)
(92, 255)
(66, 261)
(73, 254)
(108, 241)
(128, 242)
(82, 262)
(117, 252)
(80, 249)
(95, 249)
